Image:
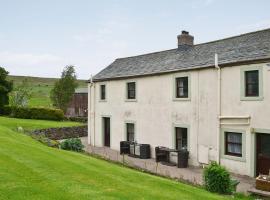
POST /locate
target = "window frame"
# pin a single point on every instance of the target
(100, 92)
(223, 154)
(176, 125)
(243, 71)
(127, 99)
(175, 77)
(125, 129)
(227, 144)
(176, 138)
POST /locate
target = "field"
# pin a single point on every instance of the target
(30, 170)
(41, 88)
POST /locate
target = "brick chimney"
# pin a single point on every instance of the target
(185, 39)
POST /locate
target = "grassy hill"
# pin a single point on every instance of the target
(30, 170)
(41, 88)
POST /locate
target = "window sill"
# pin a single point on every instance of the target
(260, 98)
(130, 100)
(103, 100)
(182, 99)
(235, 158)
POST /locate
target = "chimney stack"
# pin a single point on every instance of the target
(185, 39)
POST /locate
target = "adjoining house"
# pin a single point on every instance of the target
(211, 98)
(78, 104)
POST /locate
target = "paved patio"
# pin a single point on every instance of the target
(191, 174)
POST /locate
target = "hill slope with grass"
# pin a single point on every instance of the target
(30, 170)
(41, 88)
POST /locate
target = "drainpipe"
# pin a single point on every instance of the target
(218, 106)
(91, 111)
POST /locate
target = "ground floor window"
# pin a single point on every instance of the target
(233, 144)
(130, 131)
(181, 138)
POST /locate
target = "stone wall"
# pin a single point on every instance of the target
(63, 132)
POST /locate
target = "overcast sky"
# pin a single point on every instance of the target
(38, 38)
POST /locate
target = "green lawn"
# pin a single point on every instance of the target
(30, 170)
(41, 88)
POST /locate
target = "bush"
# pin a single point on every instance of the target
(46, 141)
(73, 144)
(6, 110)
(33, 113)
(217, 179)
(77, 119)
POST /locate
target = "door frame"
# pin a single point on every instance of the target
(254, 139)
(102, 130)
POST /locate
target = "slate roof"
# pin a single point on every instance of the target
(247, 47)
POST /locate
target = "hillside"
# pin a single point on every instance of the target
(41, 88)
(30, 170)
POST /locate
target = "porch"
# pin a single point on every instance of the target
(191, 174)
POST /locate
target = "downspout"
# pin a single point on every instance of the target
(218, 106)
(89, 112)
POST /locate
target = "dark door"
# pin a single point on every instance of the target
(263, 153)
(107, 131)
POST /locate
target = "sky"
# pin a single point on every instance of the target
(39, 38)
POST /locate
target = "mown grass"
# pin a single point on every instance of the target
(30, 170)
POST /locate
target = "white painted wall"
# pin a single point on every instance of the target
(155, 112)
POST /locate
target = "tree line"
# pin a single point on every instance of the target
(18, 96)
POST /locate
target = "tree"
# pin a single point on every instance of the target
(64, 88)
(21, 94)
(5, 87)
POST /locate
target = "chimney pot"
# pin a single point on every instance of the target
(185, 39)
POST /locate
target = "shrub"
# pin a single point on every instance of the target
(217, 179)
(33, 113)
(73, 144)
(6, 110)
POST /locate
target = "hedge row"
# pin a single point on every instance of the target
(33, 113)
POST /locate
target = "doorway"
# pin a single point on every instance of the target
(262, 153)
(106, 131)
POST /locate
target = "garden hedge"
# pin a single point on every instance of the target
(33, 113)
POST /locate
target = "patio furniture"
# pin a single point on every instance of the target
(165, 156)
(141, 151)
(124, 147)
(182, 159)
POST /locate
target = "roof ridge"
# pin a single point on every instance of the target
(226, 38)
(235, 36)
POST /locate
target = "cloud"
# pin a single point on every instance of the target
(28, 58)
(31, 64)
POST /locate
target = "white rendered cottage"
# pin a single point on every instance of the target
(212, 98)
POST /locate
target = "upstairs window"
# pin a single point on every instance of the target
(252, 83)
(131, 90)
(102, 92)
(130, 132)
(233, 144)
(181, 84)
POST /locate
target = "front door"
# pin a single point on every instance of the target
(263, 153)
(106, 131)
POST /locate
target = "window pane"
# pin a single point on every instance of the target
(181, 138)
(233, 143)
(102, 92)
(131, 90)
(181, 87)
(252, 83)
(130, 132)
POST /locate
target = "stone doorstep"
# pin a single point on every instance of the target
(259, 192)
(191, 174)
